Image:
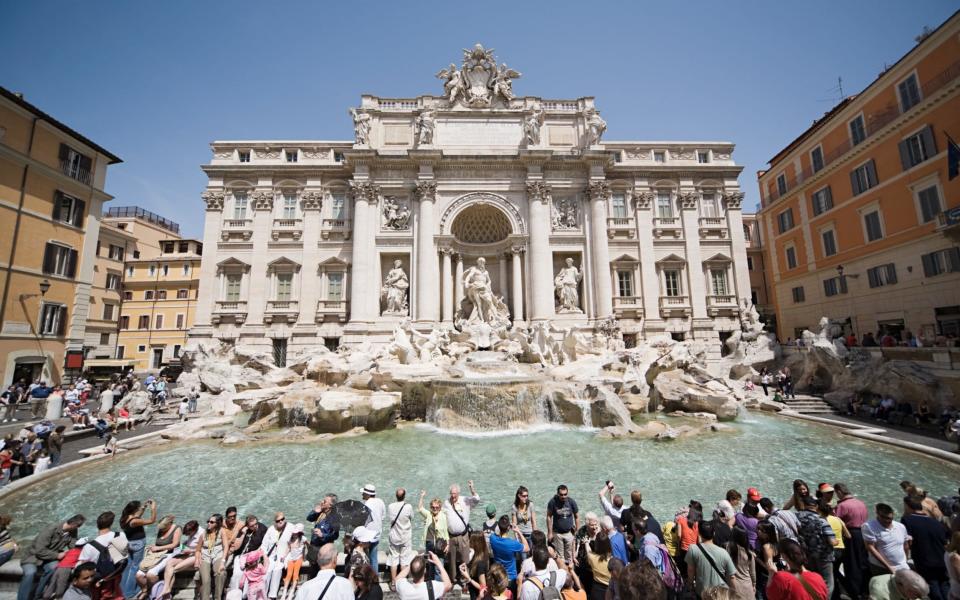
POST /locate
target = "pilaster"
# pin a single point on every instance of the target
(649, 281)
(599, 192)
(212, 222)
(741, 276)
(697, 290)
(258, 289)
(427, 280)
(311, 204)
(541, 262)
(363, 302)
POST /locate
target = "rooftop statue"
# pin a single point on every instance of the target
(479, 82)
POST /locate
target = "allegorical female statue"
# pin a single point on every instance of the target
(566, 284)
(394, 290)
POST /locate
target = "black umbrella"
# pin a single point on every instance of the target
(349, 514)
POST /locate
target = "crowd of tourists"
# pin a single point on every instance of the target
(823, 543)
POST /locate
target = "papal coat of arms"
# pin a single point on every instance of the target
(479, 82)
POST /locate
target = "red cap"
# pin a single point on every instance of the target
(753, 494)
(825, 487)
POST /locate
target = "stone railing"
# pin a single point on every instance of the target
(720, 300)
(237, 223)
(286, 223)
(284, 306)
(627, 300)
(669, 301)
(337, 309)
(712, 222)
(231, 306)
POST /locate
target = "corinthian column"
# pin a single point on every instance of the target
(732, 202)
(599, 191)
(363, 303)
(213, 220)
(447, 286)
(428, 284)
(541, 263)
(517, 284)
(458, 284)
(259, 288)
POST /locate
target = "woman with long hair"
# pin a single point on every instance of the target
(599, 552)
(210, 555)
(132, 524)
(795, 582)
(497, 583)
(183, 557)
(745, 579)
(688, 526)
(156, 555)
(767, 556)
(522, 514)
(800, 491)
(367, 583)
(475, 570)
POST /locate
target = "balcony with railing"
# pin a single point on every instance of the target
(230, 309)
(289, 229)
(713, 227)
(281, 310)
(236, 230)
(720, 304)
(948, 223)
(332, 310)
(873, 124)
(621, 227)
(675, 306)
(335, 228)
(628, 306)
(73, 170)
(667, 226)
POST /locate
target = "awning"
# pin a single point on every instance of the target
(117, 363)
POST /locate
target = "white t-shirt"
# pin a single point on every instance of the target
(377, 511)
(527, 568)
(340, 589)
(889, 542)
(89, 553)
(417, 591)
(530, 591)
(401, 532)
(464, 503)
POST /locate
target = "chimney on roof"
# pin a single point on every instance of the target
(18, 95)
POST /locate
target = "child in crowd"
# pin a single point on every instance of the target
(293, 560)
(255, 575)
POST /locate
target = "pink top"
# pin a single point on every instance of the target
(256, 574)
(852, 511)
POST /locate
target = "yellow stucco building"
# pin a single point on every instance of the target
(51, 197)
(159, 302)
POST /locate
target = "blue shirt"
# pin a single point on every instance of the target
(504, 551)
(619, 546)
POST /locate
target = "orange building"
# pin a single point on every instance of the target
(855, 212)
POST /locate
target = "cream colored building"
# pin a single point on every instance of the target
(51, 197)
(300, 236)
(159, 304)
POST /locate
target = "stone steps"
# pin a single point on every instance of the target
(809, 405)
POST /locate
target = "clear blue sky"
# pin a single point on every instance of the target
(155, 82)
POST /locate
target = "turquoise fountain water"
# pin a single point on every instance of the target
(192, 480)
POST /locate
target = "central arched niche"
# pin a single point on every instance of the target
(481, 224)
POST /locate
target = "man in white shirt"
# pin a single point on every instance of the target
(417, 588)
(543, 576)
(615, 508)
(457, 510)
(276, 545)
(337, 588)
(887, 542)
(400, 536)
(375, 521)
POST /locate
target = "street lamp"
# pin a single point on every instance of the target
(44, 287)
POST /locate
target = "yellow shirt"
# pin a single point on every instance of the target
(837, 525)
(598, 564)
(670, 537)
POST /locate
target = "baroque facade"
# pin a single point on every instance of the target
(477, 206)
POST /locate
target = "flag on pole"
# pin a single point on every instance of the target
(953, 158)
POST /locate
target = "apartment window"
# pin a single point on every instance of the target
(232, 292)
(59, 260)
(659, 156)
(53, 319)
(186, 269)
(158, 322)
(152, 270)
(113, 281)
(909, 93)
(291, 156)
(624, 284)
(141, 348)
(130, 271)
(168, 247)
(180, 321)
(718, 282)
(116, 252)
(781, 184)
(104, 339)
(703, 157)
(941, 261)
(917, 148)
(863, 177)
(148, 295)
(882, 275)
(124, 322)
(240, 205)
(75, 165)
(284, 286)
(749, 263)
(336, 206)
(834, 286)
(664, 205)
(858, 132)
(108, 312)
(120, 352)
(181, 294)
(244, 156)
(822, 200)
(785, 220)
(161, 294)
(335, 286)
(143, 322)
(183, 247)
(671, 282)
(166, 270)
(128, 295)
(618, 203)
(791, 254)
(67, 209)
(289, 206)
(798, 295)
(871, 224)
(816, 159)
(176, 350)
(829, 242)
(929, 199)
(708, 205)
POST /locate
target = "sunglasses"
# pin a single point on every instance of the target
(279, 520)
(212, 521)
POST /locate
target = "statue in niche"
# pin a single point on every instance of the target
(394, 291)
(532, 124)
(424, 127)
(567, 284)
(595, 127)
(485, 307)
(361, 126)
(565, 213)
(396, 215)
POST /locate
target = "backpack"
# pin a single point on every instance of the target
(818, 549)
(105, 564)
(669, 574)
(550, 591)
